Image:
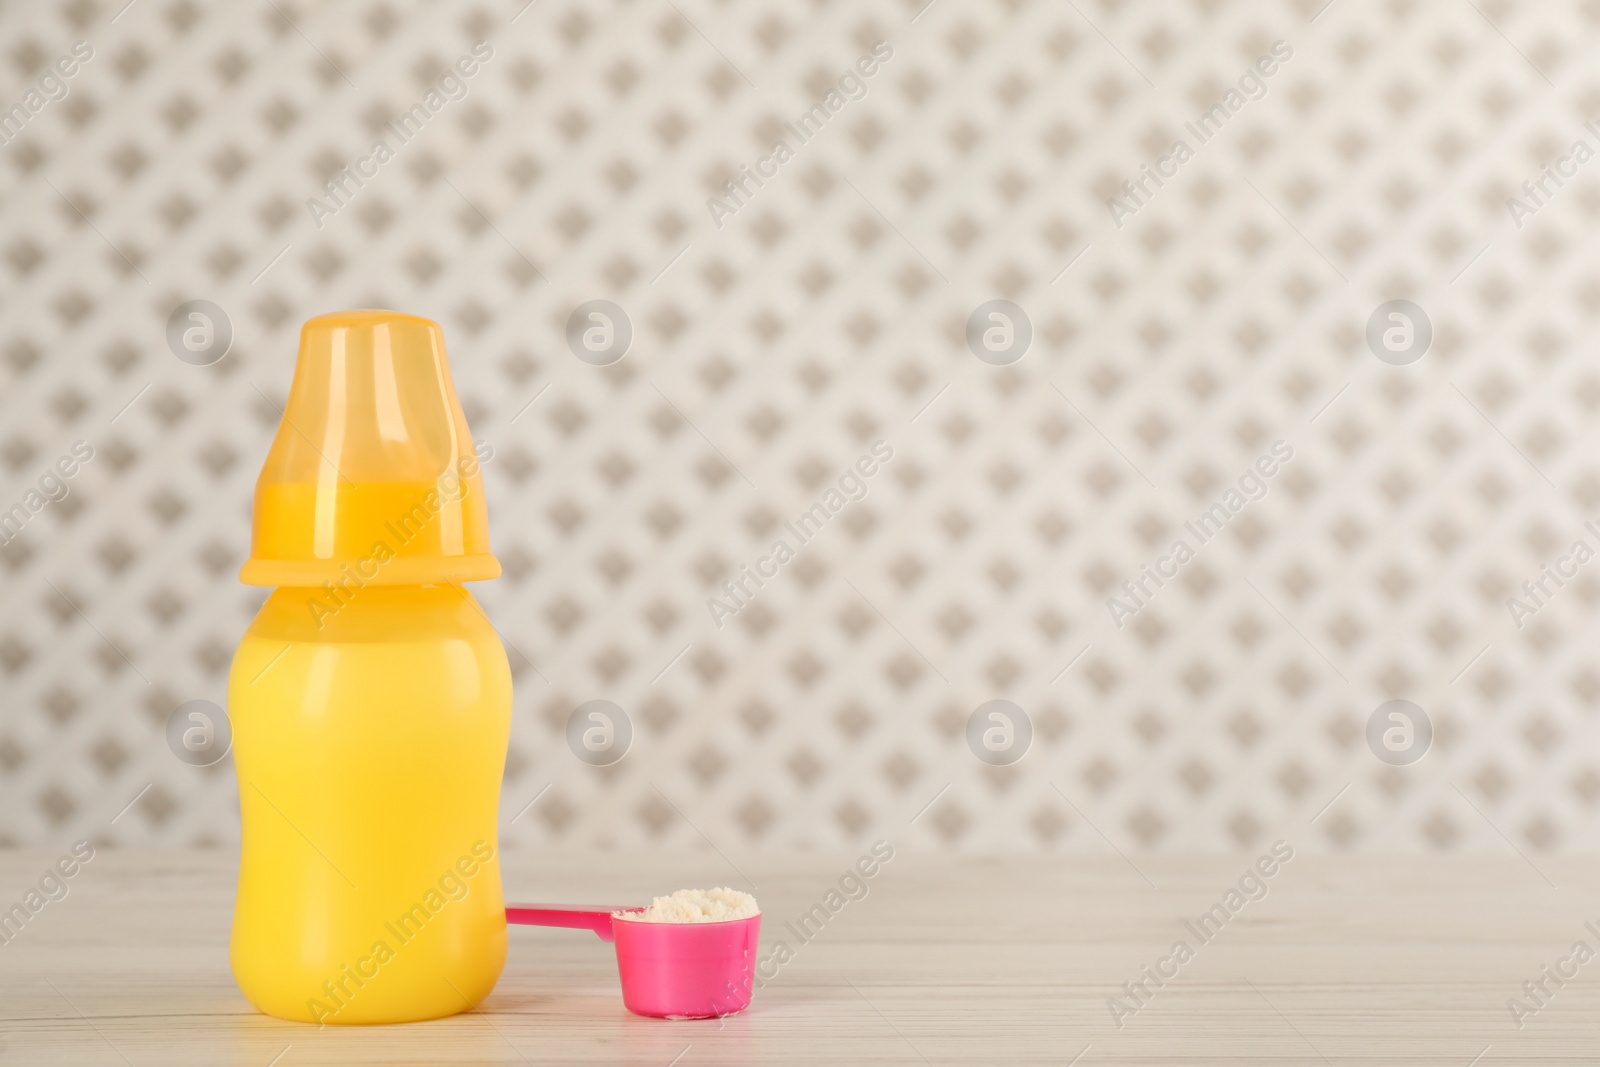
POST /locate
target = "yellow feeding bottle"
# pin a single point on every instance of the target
(370, 699)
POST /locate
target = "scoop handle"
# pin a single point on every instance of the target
(596, 917)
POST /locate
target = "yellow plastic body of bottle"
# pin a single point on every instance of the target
(370, 700)
(369, 753)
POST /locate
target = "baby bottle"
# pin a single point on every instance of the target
(370, 700)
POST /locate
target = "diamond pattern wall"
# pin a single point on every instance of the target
(998, 151)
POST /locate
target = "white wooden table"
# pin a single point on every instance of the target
(946, 961)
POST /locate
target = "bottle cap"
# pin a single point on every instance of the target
(372, 477)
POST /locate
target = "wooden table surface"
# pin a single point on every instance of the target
(945, 961)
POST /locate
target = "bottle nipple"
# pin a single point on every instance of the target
(372, 474)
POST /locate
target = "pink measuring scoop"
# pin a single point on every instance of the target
(668, 970)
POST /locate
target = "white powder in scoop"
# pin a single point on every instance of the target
(696, 906)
